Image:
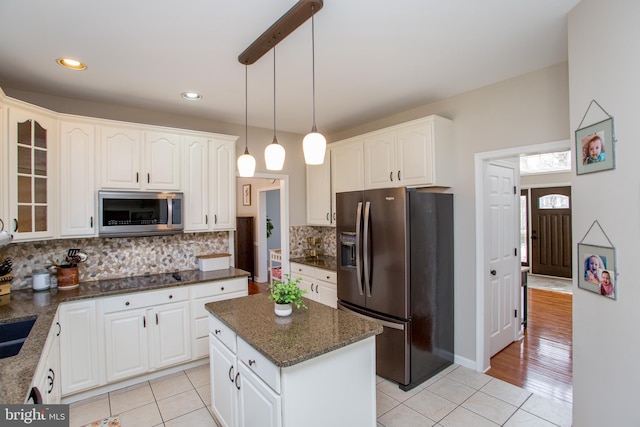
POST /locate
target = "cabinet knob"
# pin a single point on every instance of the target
(217, 331)
(222, 288)
(127, 303)
(252, 362)
(170, 296)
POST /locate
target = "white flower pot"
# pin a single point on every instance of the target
(283, 309)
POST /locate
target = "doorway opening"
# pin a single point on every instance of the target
(269, 199)
(484, 303)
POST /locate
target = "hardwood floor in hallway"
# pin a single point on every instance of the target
(542, 362)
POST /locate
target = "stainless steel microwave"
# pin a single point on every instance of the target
(138, 213)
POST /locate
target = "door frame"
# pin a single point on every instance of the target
(480, 161)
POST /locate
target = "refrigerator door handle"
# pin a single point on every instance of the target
(358, 258)
(365, 244)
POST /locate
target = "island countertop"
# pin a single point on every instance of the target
(286, 341)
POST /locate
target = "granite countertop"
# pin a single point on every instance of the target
(16, 372)
(325, 261)
(286, 341)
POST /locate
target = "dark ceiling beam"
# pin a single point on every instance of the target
(284, 26)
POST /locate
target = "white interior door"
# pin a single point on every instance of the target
(501, 275)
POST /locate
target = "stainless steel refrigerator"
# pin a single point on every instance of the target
(395, 266)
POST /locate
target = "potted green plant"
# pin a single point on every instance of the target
(285, 293)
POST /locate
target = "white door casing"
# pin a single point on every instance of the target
(502, 284)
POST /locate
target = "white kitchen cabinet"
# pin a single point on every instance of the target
(320, 284)
(146, 331)
(209, 183)
(247, 389)
(202, 294)
(77, 203)
(320, 210)
(47, 376)
(416, 153)
(347, 166)
(133, 159)
(222, 191)
(79, 335)
(196, 185)
(240, 397)
(31, 161)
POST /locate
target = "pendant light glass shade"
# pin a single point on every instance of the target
(246, 162)
(314, 143)
(274, 153)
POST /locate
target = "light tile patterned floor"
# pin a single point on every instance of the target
(457, 397)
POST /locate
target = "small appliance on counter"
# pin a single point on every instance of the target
(213, 262)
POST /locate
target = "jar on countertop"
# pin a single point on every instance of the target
(40, 280)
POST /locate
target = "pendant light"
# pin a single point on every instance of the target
(314, 143)
(246, 162)
(274, 153)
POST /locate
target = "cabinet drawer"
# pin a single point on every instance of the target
(302, 269)
(145, 299)
(222, 332)
(197, 306)
(218, 287)
(326, 275)
(260, 365)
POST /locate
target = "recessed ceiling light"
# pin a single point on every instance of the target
(71, 64)
(191, 96)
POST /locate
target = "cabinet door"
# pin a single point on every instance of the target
(31, 160)
(79, 343)
(224, 373)
(53, 386)
(223, 185)
(196, 185)
(77, 172)
(162, 161)
(171, 343)
(258, 404)
(347, 167)
(121, 150)
(326, 293)
(379, 161)
(415, 154)
(319, 193)
(126, 344)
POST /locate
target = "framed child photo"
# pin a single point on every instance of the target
(597, 269)
(595, 149)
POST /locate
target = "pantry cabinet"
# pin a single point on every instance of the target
(77, 184)
(31, 165)
(79, 335)
(134, 159)
(146, 331)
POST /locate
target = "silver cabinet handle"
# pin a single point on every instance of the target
(365, 249)
(358, 258)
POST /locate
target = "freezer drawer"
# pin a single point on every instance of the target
(392, 345)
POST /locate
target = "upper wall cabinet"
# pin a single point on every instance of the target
(133, 159)
(416, 153)
(319, 207)
(77, 180)
(31, 168)
(209, 183)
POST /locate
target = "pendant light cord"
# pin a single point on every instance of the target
(246, 109)
(313, 67)
(274, 91)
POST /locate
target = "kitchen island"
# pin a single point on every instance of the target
(313, 368)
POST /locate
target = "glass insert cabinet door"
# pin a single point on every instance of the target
(30, 137)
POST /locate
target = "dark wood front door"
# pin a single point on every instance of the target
(551, 231)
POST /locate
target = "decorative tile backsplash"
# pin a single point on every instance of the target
(110, 258)
(298, 239)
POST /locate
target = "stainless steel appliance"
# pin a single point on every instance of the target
(395, 267)
(138, 213)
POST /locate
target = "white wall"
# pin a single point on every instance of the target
(527, 110)
(604, 64)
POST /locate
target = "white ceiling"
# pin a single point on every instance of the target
(373, 58)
